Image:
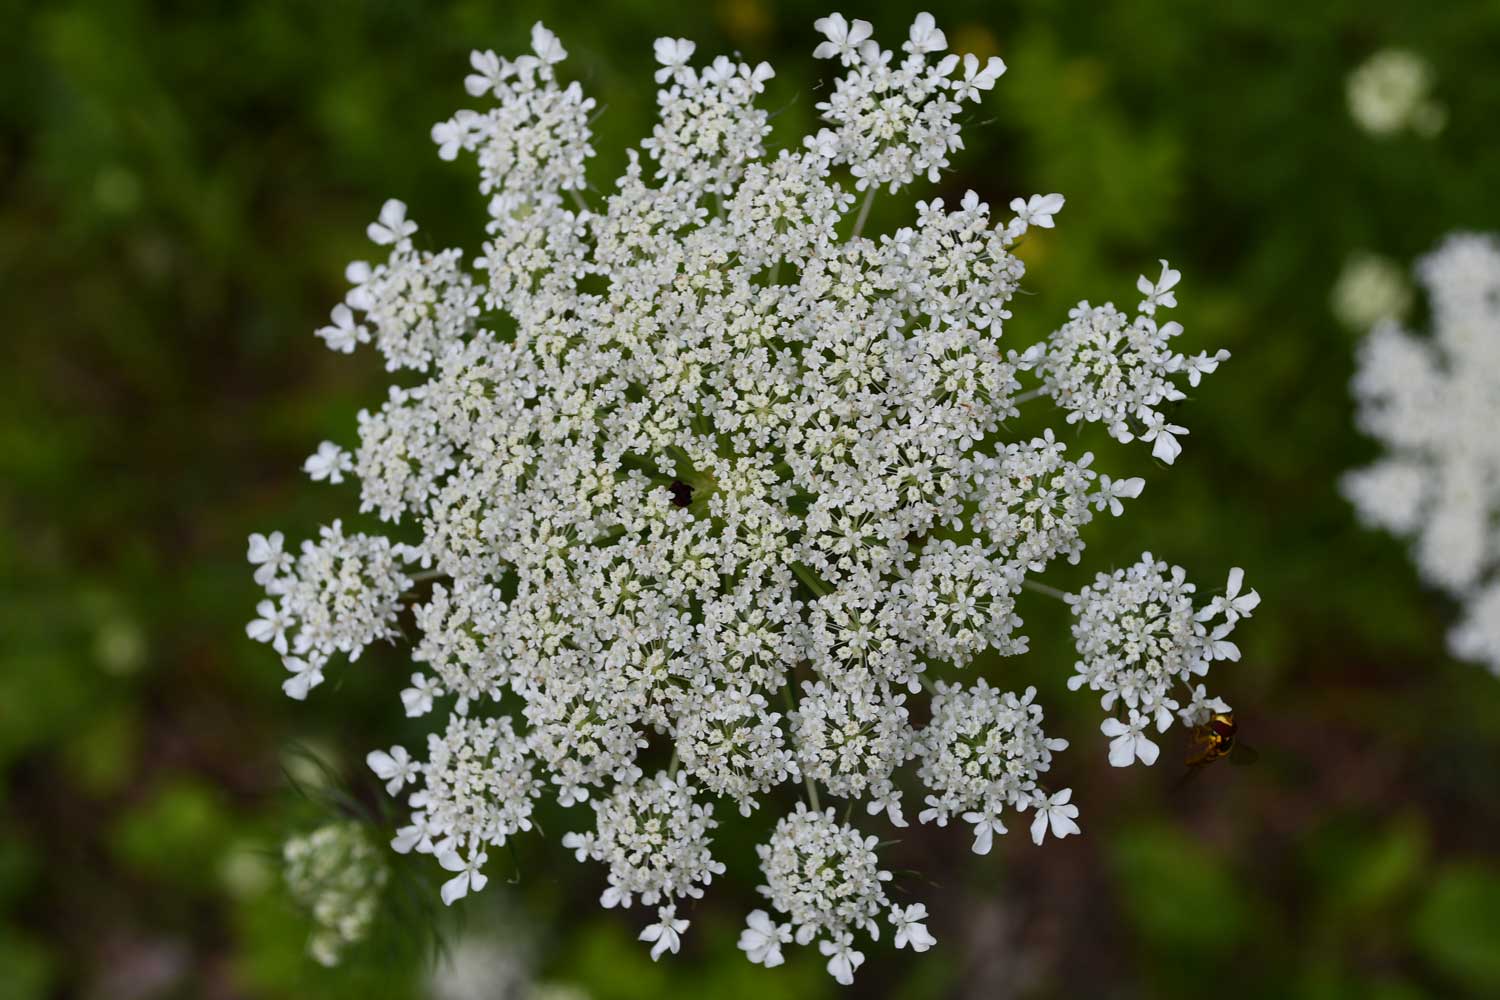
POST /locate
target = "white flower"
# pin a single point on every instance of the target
(545, 44)
(843, 960)
(1129, 742)
(1233, 605)
(925, 36)
(890, 804)
(1220, 648)
(392, 226)
(673, 54)
(489, 74)
(395, 768)
(330, 462)
(1054, 812)
(1202, 364)
(977, 79)
(1164, 434)
(1159, 292)
(762, 938)
(344, 334)
(1110, 492)
(469, 876)
(1037, 210)
(305, 677)
(1201, 708)
(986, 825)
(844, 39)
(666, 932)
(450, 137)
(755, 78)
(271, 626)
(414, 836)
(417, 699)
(910, 930)
(266, 554)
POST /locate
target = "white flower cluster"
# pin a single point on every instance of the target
(1391, 92)
(826, 877)
(336, 874)
(1106, 368)
(700, 482)
(1434, 402)
(654, 838)
(1137, 632)
(341, 594)
(477, 790)
(982, 753)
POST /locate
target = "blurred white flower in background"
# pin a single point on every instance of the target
(1391, 92)
(335, 873)
(1370, 288)
(494, 960)
(1434, 402)
(704, 486)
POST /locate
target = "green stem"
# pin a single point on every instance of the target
(1042, 588)
(812, 793)
(864, 214)
(810, 578)
(791, 706)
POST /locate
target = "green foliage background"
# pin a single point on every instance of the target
(180, 186)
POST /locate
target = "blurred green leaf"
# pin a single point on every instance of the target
(1359, 864)
(103, 757)
(26, 969)
(1178, 895)
(1456, 926)
(177, 833)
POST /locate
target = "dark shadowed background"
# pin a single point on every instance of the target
(180, 187)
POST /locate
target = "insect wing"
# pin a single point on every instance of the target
(1243, 756)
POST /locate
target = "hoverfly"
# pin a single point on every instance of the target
(1214, 740)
